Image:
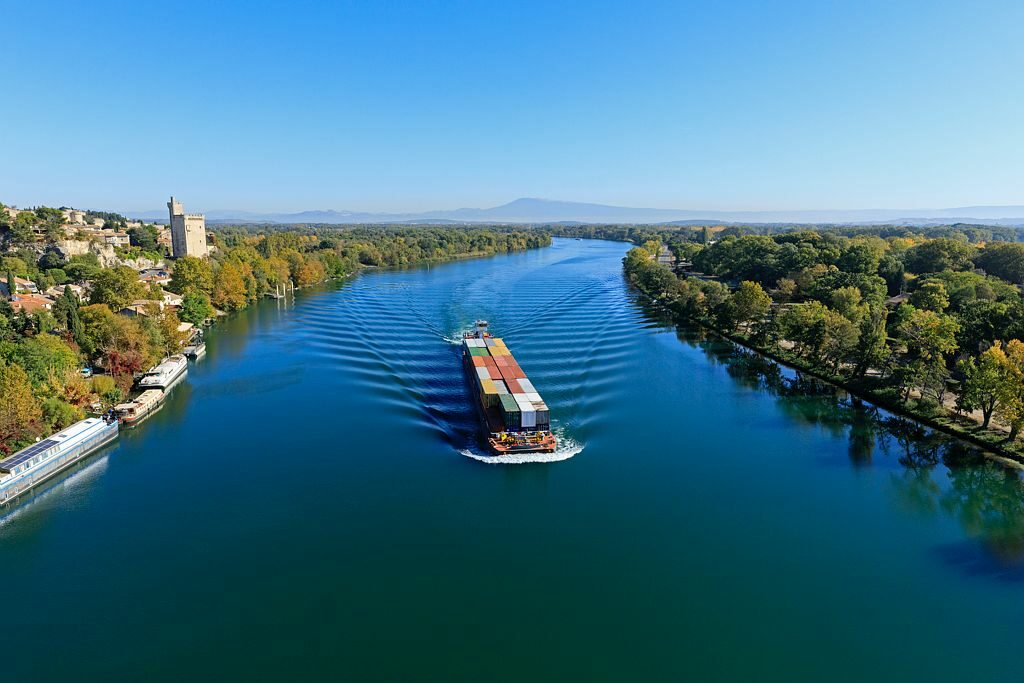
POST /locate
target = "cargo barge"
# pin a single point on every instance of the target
(512, 412)
(31, 466)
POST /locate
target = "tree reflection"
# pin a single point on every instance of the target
(985, 499)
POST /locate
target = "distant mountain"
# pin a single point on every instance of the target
(531, 210)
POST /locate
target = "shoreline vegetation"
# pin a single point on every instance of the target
(116, 324)
(922, 322)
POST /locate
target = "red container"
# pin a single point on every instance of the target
(513, 386)
(506, 373)
(478, 361)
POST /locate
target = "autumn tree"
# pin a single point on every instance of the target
(230, 291)
(931, 296)
(982, 383)
(928, 338)
(20, 412)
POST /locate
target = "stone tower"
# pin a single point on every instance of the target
(188, 231)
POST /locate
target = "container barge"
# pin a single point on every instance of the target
(31, 466)
(512, 412)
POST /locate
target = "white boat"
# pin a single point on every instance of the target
(32, 466)
(195, 351)
(165, 375)
(145, 404)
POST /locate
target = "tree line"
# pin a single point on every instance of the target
(933, 323)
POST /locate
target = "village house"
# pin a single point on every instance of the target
(58, 290)
(143, 307)
(172, 300)
(20, 285)
(117, 239)
(31, 303)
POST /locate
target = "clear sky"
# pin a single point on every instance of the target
(428, 105)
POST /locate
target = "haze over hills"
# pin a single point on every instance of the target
(532, 210)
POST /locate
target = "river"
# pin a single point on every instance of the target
(310, 503)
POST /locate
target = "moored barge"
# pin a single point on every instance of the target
(512, 412)
(142, 406)
(31, 466)
(165, 375)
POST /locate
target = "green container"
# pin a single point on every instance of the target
(478, 352)
(508, 404)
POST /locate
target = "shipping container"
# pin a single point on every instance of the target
(482, 373)
(501, 386)
(531, 396)
(489, 341)
(527, 385)
(478, 352)
(478, 361)
(513, 386)
(528, 419)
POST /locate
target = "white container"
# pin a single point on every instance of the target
(482, 373)
(527, 385)
(532, 396)
(529, 418)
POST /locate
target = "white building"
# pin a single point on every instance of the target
(188, 231)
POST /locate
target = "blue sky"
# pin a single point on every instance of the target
(422, 105)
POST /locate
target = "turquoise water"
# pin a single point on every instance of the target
(308, 505)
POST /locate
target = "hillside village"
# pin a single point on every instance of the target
(85, 306)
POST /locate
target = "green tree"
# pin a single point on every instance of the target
(116, 287)
(145, 237)
(748, 303)
(191, 272)
(44, 356)
(58, 414)
(939, 254)
(872, 348)
(847, 302)
(195, 307)
(1005, 260)
(931, 296)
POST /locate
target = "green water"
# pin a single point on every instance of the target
(307, 506)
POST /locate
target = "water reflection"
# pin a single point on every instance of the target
(934, 475)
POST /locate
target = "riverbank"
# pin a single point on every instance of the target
(993, 442)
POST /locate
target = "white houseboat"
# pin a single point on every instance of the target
(31, 466)
(165, 375)
(142, 406)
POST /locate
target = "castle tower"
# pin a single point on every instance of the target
(188, 231)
